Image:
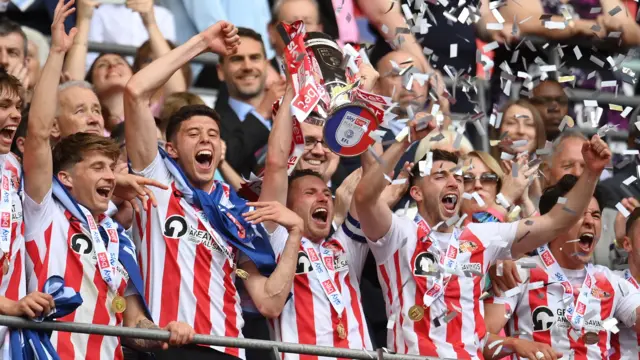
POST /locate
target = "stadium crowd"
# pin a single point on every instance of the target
(336, 194)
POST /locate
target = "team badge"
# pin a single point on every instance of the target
(468, 246)
(425, 264)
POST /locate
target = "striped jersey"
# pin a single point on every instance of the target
(626, 342)
(13, 283)
(538, 312)
(59, 244)
(403, 261)
(186, 275)
(308, 317)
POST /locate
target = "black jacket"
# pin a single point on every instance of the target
(243, 139)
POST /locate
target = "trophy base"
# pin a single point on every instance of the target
(347, 129)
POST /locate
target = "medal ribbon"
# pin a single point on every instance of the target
(630, 278)
(449, 262)
(5, 211)
(573, 312)
(324, 269)
(107, 257)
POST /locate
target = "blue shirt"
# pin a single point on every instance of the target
(242, 109)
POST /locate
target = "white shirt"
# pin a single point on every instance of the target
(117, 24)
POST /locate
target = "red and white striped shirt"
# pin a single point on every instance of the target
(538, 311)
(58, 244)
(13, 284)
(186, 276)
(401, 258)
(626, 342)
(308, 317)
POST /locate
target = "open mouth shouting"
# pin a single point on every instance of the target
(7, 133)
(320, 216)
(449, 202)
(204, 160)
(586, 243)
(104, 192)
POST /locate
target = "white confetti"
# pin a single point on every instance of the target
(506, 156)
(453, 50)
(548, 68)
(478, 199)
(495, 26)
(562, 200)
(498, 16)
(577, 52)
(626, 111)
(590, 103)
(622, 210)
(512, 292)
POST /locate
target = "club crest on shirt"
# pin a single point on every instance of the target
(543, 318)
(425, 264)
(340, 262)
(599, 293)
(467, 246)
(304, 264)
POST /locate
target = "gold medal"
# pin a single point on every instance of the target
(119, 304)
(342, 333)
(591, 338)
(416, 313)
(242, 274)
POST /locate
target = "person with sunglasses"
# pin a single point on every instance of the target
(553, 104)
(499, 192)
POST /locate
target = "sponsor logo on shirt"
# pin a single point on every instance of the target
(304, 264)
(424, 264)
(543, 318)
(81, 244)
(175, 227)
(197, 237)
(599, 293)
(472, 267)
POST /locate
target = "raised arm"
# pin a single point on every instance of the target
(140, 130)
(159, 45)
(540, 230)
(75, 62)
(373, 211)
(621, 21)
(38, 165)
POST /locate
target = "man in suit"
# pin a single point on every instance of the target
(246, 113)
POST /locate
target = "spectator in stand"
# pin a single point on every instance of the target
(194, 16)
(577, 63)
(66, 189)
(246, 113)
(109, 73)
(521, 131)
(128, 24)
(552, 104)
(485, 177)
(565, 157)
(77, 110)
(37, 51)
(13, 51)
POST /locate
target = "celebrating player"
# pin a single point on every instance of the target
(564, 301)
(627, 342)
(190, 244)
(326, 307)
(438, 314)
(69, 234)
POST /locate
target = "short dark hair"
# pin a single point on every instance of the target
(438, 155)
(187, 112)
(10, 85)
(550, 196)
(297, 174)
(251, 34)
(72, 149)
(8, 26)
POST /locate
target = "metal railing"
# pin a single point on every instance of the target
(162, 335)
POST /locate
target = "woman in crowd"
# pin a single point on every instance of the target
(485, 177)
(520, 133)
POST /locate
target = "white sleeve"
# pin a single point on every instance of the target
(401, 230)
(496, 238)
(278, 239)
(353, 240)
(157, 170)
(626, 310)
(37, 216)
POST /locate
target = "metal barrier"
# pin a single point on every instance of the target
(162, 335)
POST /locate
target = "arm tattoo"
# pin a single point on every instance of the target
(142, 344)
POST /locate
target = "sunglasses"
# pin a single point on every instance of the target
(486, 178)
